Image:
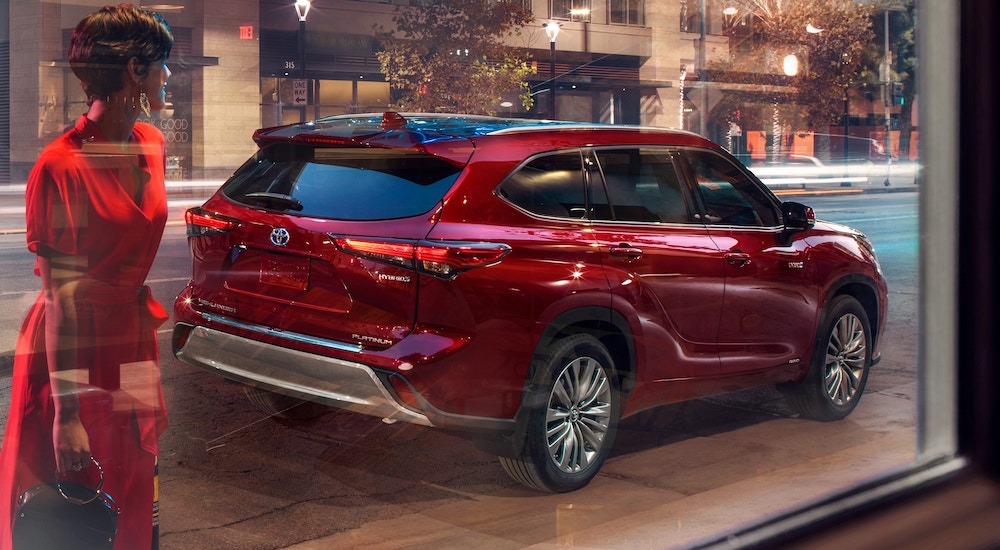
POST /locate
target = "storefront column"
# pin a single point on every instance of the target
(225, 98)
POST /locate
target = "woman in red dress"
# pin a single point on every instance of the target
(86, 372)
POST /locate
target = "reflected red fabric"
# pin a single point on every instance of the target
(88, 198)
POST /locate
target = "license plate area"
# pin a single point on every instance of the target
(285, 271)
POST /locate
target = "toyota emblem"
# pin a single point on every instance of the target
(279, 236)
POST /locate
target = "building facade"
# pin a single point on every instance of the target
(235, 64)
(239, 65)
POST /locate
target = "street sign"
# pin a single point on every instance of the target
(300, 92)
(707, 92)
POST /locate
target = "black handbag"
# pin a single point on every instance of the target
(66, 514)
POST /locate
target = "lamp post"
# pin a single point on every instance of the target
(887, 83)
(845, 60)
(702, 74)
(302, 10)
(552, 31)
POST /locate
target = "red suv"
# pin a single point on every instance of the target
(527, 282)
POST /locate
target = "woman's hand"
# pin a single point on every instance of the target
(71, 444)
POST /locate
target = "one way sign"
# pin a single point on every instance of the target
(300, 92)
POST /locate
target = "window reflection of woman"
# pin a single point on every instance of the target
(86, 373)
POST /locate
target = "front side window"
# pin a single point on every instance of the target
(728, 194)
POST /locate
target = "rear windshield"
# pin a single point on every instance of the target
(342, 183)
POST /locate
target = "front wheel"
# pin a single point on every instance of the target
(839, 370)
(573, 416)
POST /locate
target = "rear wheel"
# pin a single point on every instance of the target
(283, 406)
(840, 364)
(573, 417)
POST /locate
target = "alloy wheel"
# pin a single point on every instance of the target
(846, 355)
(578, 414)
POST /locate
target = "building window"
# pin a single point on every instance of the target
(574, 10)
(627, 12)
(692, 11)
(523, 4)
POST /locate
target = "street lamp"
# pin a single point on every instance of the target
(552, 31)
(302, 10)
(730, 14)
(790, 65)
(702, 73)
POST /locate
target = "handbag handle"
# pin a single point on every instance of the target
(97, 490)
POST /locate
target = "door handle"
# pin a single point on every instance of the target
(626, 251)
(739, 259)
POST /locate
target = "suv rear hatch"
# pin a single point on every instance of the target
(321, 244)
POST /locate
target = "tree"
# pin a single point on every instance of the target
(832, 56)
(450, 56)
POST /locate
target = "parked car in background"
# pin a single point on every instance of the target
(803, 161)
(859, 149)
(528, 283)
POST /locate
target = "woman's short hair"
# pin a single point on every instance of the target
(104, 41)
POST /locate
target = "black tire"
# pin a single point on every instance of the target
(574, 406)
(284, 407)
(840, 364)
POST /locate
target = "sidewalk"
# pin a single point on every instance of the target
(179, 189)
(180, 194)
(670, 495)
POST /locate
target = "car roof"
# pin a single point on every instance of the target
(409, 130)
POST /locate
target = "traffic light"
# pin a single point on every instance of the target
(897, 93)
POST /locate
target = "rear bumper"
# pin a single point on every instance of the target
(335, 382)
(339, 383)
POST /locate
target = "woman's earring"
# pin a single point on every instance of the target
(144, 103)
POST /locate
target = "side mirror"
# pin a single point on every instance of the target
(797, 215)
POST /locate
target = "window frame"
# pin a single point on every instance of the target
(957, 452)
(626, 11)
(567, 15)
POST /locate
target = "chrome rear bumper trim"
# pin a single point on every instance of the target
(336, 382)
(305, 339)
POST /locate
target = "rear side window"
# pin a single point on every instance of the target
(550, 185)
(342, 183)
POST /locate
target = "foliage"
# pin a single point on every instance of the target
(450, 56)
(831, 62)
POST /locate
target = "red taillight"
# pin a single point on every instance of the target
(394, 253)
(201, 223)
(449, 260)
(443, 259)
